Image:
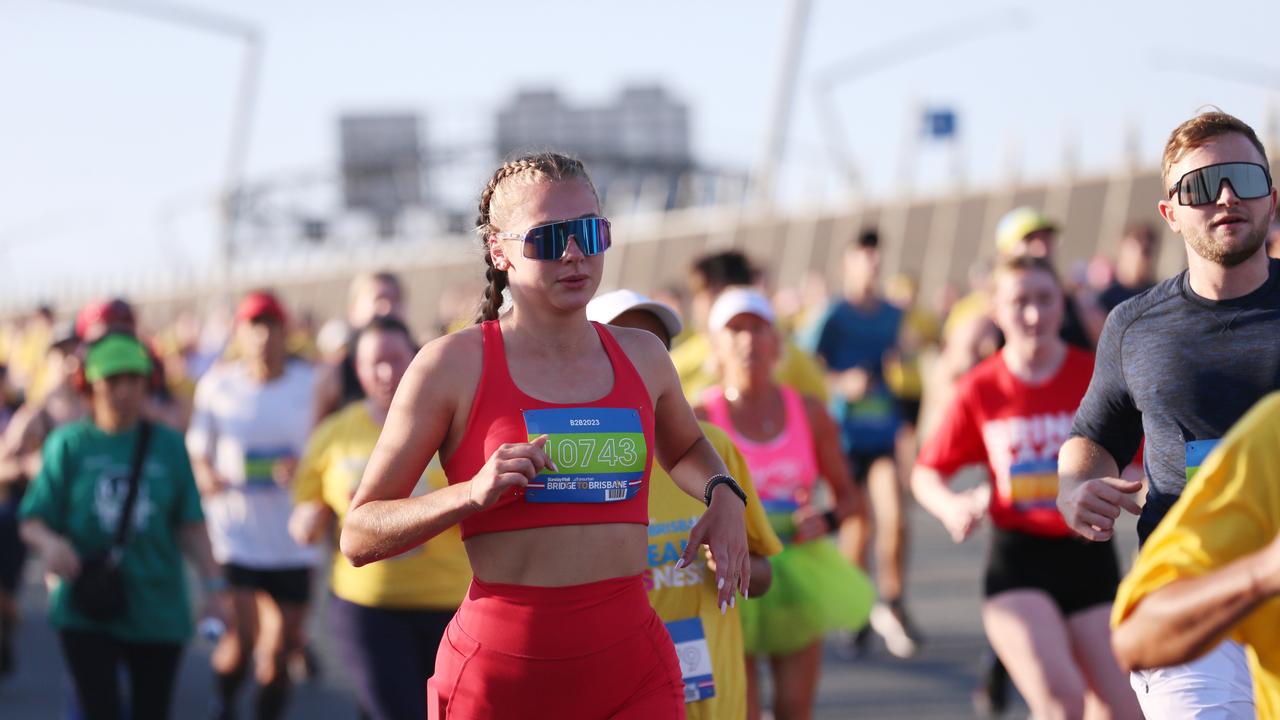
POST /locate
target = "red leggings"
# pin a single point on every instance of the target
(583, 651)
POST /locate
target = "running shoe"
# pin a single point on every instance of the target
(304, 666)
(991, 696)
(890, 621)
(853, 645)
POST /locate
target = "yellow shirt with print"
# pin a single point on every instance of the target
(681, 593)
(1230, 508)
(434, 575)
(796, 369)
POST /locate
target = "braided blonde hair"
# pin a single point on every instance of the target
(533, 167)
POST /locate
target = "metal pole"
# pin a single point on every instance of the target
(783, 100)
(237, 157)
(242, 118)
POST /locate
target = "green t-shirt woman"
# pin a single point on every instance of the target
(71, 512)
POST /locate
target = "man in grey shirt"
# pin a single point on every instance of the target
(1180, 364)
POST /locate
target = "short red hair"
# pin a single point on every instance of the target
(1198, 131)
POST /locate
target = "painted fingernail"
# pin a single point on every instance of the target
(746, 594)
(682, 562)
(724, 607)
(720, 584)
(733, 601)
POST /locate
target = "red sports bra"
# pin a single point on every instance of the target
(603, 450)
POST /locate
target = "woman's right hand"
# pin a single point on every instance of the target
(209, 482)
(512, 465)
(60, 558)
(810, 523)
(964, 515)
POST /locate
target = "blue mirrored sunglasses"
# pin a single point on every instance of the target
(548, 242)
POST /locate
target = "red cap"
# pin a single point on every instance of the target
(260, 304)
(95, 319)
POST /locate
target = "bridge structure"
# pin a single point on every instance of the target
(934, 239)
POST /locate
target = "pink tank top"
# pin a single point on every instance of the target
(783, 469)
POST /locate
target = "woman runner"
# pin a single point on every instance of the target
(111, 469)
(387, 618)
(545, 424)
(709, 644)
(1048, 593)
(788, 442)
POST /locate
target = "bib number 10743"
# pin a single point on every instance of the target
(599, 453)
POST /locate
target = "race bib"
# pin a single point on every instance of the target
(695, 659)
(1034, 484)
(1197, 451)
(599, 454)
(781, 515)
(258, 464)
(875, 408)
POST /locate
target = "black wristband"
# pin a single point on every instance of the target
(732, 484)
(833, 522)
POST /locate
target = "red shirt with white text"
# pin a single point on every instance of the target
(1015, 429)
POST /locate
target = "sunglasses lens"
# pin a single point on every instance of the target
(1203, 186)
(548, 242)
(592, 235)
(543, 243)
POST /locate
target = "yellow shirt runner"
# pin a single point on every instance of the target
(434, 575)
(1230, 508)
(688, 595)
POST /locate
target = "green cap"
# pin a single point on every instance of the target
(116, 354)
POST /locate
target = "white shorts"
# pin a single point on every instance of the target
(1215, 687)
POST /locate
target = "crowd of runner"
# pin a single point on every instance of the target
(582, 505)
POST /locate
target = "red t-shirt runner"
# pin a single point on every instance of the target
(1016, 429)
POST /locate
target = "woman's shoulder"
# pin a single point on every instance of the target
(465, 345)
(69, 433)
(170, 436)
(813, 407)
(641, 346)
(450, 360)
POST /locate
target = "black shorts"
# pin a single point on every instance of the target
(909, 410)
(285, 585)
(1076, 573)
(860, 462)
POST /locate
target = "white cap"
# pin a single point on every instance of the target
(607, 307)
(738, 301)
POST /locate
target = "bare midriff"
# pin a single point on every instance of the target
(559, 555)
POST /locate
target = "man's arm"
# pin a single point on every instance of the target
(1090, 493)
(1105, 434)
(201, 440)
(1186, 618)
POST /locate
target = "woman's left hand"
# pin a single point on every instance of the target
(811, 524)
(723, 530)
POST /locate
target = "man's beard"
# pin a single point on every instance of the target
(1206, 247)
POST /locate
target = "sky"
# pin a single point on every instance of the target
(115, 128)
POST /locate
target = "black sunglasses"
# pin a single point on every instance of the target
(1202, 186)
